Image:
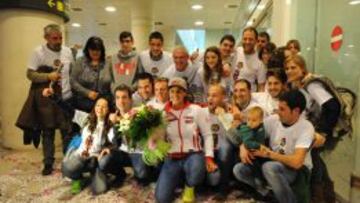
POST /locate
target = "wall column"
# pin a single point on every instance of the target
(141, 22)
(21, 31)
(169, 34)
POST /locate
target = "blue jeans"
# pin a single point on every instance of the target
(141, 170)
(74, 166)
(174, 170)
(225, 159)
(278, 176)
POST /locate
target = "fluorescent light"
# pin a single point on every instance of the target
(199, 23)
(249, 23)
(110, 9)
(354, 2)
(196, 7)
(76, 25)
(261, 7)
(351, 46)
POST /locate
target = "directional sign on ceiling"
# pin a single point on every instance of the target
(58, 7)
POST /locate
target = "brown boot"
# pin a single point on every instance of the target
(317, 193)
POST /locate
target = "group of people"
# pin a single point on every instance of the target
(234, 114)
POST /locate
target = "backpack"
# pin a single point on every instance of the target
(75, 142)
(346, 99)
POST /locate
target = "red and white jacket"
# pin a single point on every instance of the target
(185, 126)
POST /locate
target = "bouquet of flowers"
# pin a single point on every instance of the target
(144, 127)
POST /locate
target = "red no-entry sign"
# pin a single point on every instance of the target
(336, 38)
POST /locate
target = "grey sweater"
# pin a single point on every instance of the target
(85, 78)
(124, 69)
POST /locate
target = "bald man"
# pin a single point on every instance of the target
(183, 68)
(224, 151)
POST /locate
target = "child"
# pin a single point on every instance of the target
(252, 135)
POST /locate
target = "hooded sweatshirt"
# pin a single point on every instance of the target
(124, 68)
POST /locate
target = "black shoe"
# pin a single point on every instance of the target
(220, 197)
(268, 198)
(47, 170)
(119, 179)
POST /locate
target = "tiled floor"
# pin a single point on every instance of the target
(20, 181)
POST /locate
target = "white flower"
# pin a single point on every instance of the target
(124, 125)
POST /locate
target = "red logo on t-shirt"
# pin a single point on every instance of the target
(124, 68)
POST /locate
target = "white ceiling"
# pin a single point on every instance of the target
(175, 13)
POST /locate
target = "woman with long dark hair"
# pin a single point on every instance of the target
(212, 71)
(91, 76)
(93, 154)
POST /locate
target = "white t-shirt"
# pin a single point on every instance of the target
(225, 82)
(269, 104)
(315, 95)
(156, 104)
(138, 100)
(80, 118)
(318, 93)
(249, 67)
(98, 140)
(285, 140)
(217, 129)
(43, 56)
(192, 78)
(252, 103)
(231, 60)
(155, 68)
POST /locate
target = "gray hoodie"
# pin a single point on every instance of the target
(125, 68)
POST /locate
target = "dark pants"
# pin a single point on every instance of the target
(225, 158)
(278, 176)
(320, 173)
(320, 178)
(74, 166)
(48, 144)
(142, 172)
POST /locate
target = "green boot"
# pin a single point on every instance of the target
(188, 195)
(76, 187)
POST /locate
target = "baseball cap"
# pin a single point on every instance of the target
(178, 82)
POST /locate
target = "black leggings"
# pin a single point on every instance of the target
(330, 112)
